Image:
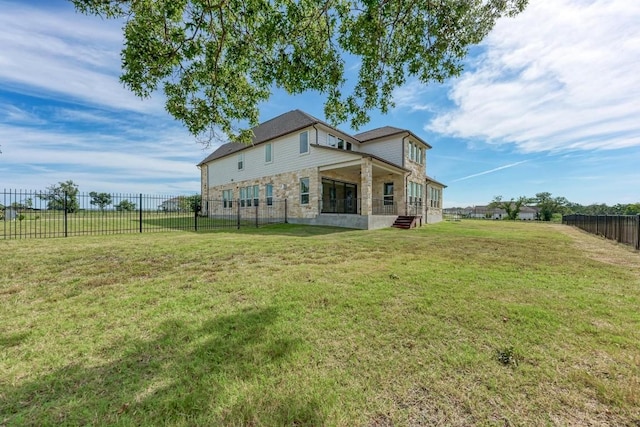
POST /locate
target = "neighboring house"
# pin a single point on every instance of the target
(175, 204)
(327, 176)
(484, 212)
(527, 213)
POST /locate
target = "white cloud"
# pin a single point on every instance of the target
(66, 55)
(12, 114)
(563, 75)
(411, 96)
(127, 159)
(490, 171)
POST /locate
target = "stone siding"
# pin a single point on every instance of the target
(418, 175)
(285, 186)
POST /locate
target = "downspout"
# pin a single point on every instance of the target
(426, 201)
(403, 156)
(314, 126)
(319, 185)
(406, 178)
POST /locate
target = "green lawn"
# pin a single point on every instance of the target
(55, 224)
(466, 323)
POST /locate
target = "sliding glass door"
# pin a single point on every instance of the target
(339, 197)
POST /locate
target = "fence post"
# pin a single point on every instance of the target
(4, 218)
(195, 218)
(64, 205)
(285, 212)
(638, 232)
(256, 216)
(140, 212)
(238, 203)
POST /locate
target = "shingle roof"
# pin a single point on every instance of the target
(362, 154)
(271, 129)
(435, 182)
(292, 121)
(386, 131)
(378, 133)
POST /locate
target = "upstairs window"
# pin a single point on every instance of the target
(335, 142)
(268, 153)
(304, 142)
(240, 161)
(416, 153)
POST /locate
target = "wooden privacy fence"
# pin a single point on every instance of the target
(621, 228)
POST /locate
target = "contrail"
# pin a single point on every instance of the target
(490, 171)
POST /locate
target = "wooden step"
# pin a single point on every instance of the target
(405, 222)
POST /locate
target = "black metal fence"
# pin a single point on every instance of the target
(42, 214)
(621, 228)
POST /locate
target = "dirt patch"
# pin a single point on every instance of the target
(601, 249)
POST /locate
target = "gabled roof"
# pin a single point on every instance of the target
(384, 132)
(429, 179)
(362, 154)
(378, 133)
(278, 126)
(530, 209)
(296, 120)
(486, 208)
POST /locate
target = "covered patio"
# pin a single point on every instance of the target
(367, 187)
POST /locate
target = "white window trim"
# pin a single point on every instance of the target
(256, 194)
(270, 145)
(308, 193)
(268, 195)
(330, 139)
(304, 153)
(227, 199)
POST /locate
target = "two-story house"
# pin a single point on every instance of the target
(327, 176)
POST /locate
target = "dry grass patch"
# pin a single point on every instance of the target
(601, 249)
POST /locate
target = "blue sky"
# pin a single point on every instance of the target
(549, 102)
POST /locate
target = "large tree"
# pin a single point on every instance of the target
(511, 207)
(218, 60)
(548, 205)
(190, 203)
(61, 196)
(102, 200)
(125, 206)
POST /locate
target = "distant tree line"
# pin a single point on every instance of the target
(548, 206)
(64, 196)
(603, 209)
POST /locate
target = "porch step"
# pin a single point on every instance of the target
(405, 221)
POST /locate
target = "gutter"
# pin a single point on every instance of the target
(314, 126)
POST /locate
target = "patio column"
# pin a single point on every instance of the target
(366, 184)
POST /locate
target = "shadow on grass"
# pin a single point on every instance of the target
(294, 230)
(208, 225)
(217, 374)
